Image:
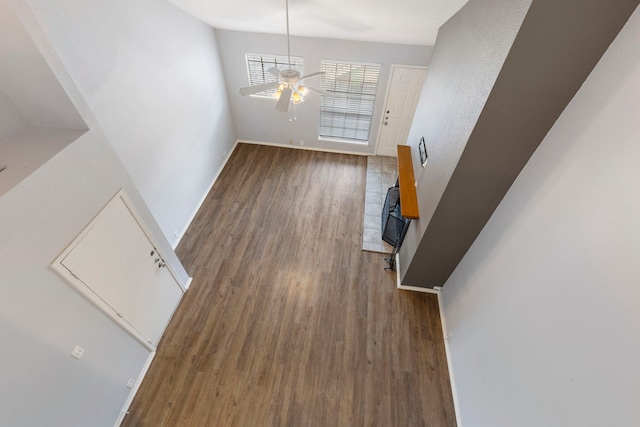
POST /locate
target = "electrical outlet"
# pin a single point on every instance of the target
(131, 383)
(77, 352)
(302, 142)
(291, 141)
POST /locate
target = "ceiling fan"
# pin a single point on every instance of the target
(289, 84)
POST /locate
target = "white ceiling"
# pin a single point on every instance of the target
(388, 21)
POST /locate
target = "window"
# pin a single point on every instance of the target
(258, 66)
(346, 113)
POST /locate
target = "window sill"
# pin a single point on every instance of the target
(343, 141)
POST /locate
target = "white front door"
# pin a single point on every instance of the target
(402, 99)
(123, 272)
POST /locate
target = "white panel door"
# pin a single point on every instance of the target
(118, 263)
(402, 99)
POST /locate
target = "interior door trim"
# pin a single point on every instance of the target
(78, 285)
(386, 96)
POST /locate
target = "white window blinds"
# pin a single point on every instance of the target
(346, 113)
(258, 66)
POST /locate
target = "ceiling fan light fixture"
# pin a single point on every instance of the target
(288, 89)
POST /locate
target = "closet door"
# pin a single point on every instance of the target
(123, 273)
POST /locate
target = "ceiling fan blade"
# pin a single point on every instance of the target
(249, 90)
(275, 71)
(320, 91)
(311, 75)
(283, 102)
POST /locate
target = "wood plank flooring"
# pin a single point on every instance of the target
(287, 321)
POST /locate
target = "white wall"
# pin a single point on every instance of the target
(11, 120)
(37, 118)
(26, 151)
(27, 79)
(544, 307)
(151, 76)
(41, 317)
(257, 119)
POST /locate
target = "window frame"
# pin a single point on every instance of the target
(370, 70)
(275, 60)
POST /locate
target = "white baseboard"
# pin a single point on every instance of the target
(445, 333)
(189, 280)
(175, 243)
(304, 147)
(134, 390)
(447, 349)
(398, 283)
(418, 289)
(410, 288)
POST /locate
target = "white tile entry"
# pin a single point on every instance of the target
(381, 174)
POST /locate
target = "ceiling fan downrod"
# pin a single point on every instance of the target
(288, 41)
(290, 89)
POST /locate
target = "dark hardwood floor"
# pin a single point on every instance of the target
(287, 321)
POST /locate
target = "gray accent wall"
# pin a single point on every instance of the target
(543, 309)
(469, 53)
(556, 47)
